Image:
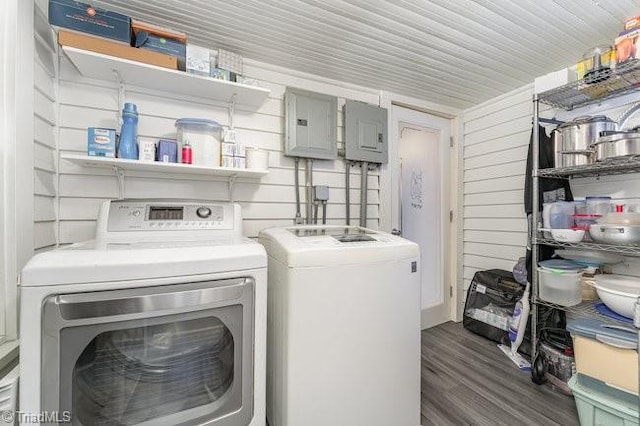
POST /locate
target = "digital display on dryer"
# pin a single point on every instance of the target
(166, 213)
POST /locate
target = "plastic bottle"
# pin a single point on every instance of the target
(187, 153)
(518, 321)
(128, 146)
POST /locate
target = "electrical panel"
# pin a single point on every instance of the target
(365, 131)
(311, 123)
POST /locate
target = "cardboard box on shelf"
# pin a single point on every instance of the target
(119, 50)
(101, 142)
(628, 45)
(632, 23)
(159, 39)
(88, 19)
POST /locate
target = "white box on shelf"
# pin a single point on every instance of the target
(146, 150)
(228, 149)
(239, 162)
(554, 79)
(229, 61)
(198, 60)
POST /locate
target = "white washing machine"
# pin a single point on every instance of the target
(343, 345)
(159, 321)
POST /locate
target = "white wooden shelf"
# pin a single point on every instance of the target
(160, 167)
(102, 67)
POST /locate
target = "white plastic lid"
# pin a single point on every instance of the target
(198, 123)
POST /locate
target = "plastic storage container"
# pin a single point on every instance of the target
(203, 137)
(598, 205)
(599, 405)
(560, 287)
(561, 215)
(606, 352)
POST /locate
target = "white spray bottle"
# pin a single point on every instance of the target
(517, 328)
(518, 321)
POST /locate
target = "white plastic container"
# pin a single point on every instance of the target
(204, 138)
(256, 158)
(560, 287)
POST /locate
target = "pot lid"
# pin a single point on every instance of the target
(617, 218)
(614, 136)
(587, 119)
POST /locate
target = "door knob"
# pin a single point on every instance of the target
(397, 232)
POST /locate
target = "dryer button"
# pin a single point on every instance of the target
(203, 212)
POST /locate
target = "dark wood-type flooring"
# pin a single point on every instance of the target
(467, 380)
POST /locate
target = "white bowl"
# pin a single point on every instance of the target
(568, 235)
(619, 293)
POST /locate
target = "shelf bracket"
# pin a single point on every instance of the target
(121, 96)
(120, 177)
(230, 185)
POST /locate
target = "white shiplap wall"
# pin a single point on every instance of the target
(496, 139)
(268, 202)
(45, 132)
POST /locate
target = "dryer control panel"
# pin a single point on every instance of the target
(149, 216)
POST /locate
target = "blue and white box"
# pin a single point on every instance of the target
(101, 142)
(85, 18)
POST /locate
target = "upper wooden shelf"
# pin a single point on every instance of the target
(102, 67)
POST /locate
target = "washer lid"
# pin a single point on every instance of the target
(327, 245)
(85, 263)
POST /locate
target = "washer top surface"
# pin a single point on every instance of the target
(132, 246)
(325, 245)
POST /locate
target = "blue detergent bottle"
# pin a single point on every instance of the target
(128, 146)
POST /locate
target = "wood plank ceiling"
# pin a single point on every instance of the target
(455, 52)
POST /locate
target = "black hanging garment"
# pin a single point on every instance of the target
(550, 189)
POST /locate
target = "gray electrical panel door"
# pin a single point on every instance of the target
(311, 123)
(365, 128)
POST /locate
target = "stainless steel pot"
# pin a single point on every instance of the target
(579, 134)
(617, 144)
(615, 234)
(576, 158)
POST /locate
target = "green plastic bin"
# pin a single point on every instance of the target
(601, 405)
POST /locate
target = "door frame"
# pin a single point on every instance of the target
(389, 175)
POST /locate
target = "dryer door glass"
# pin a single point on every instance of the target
(134, 375)
(166, 355)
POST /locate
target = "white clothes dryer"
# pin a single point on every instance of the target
(343, 327)
(161, 320)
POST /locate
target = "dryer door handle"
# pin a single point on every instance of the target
(144, 300)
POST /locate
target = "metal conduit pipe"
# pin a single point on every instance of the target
(347, 184)
(363, 193)
(324, 212)
(309, 191)
(298, 218)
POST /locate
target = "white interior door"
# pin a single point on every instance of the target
(422, 212)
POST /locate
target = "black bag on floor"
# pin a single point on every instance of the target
(491, 299)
